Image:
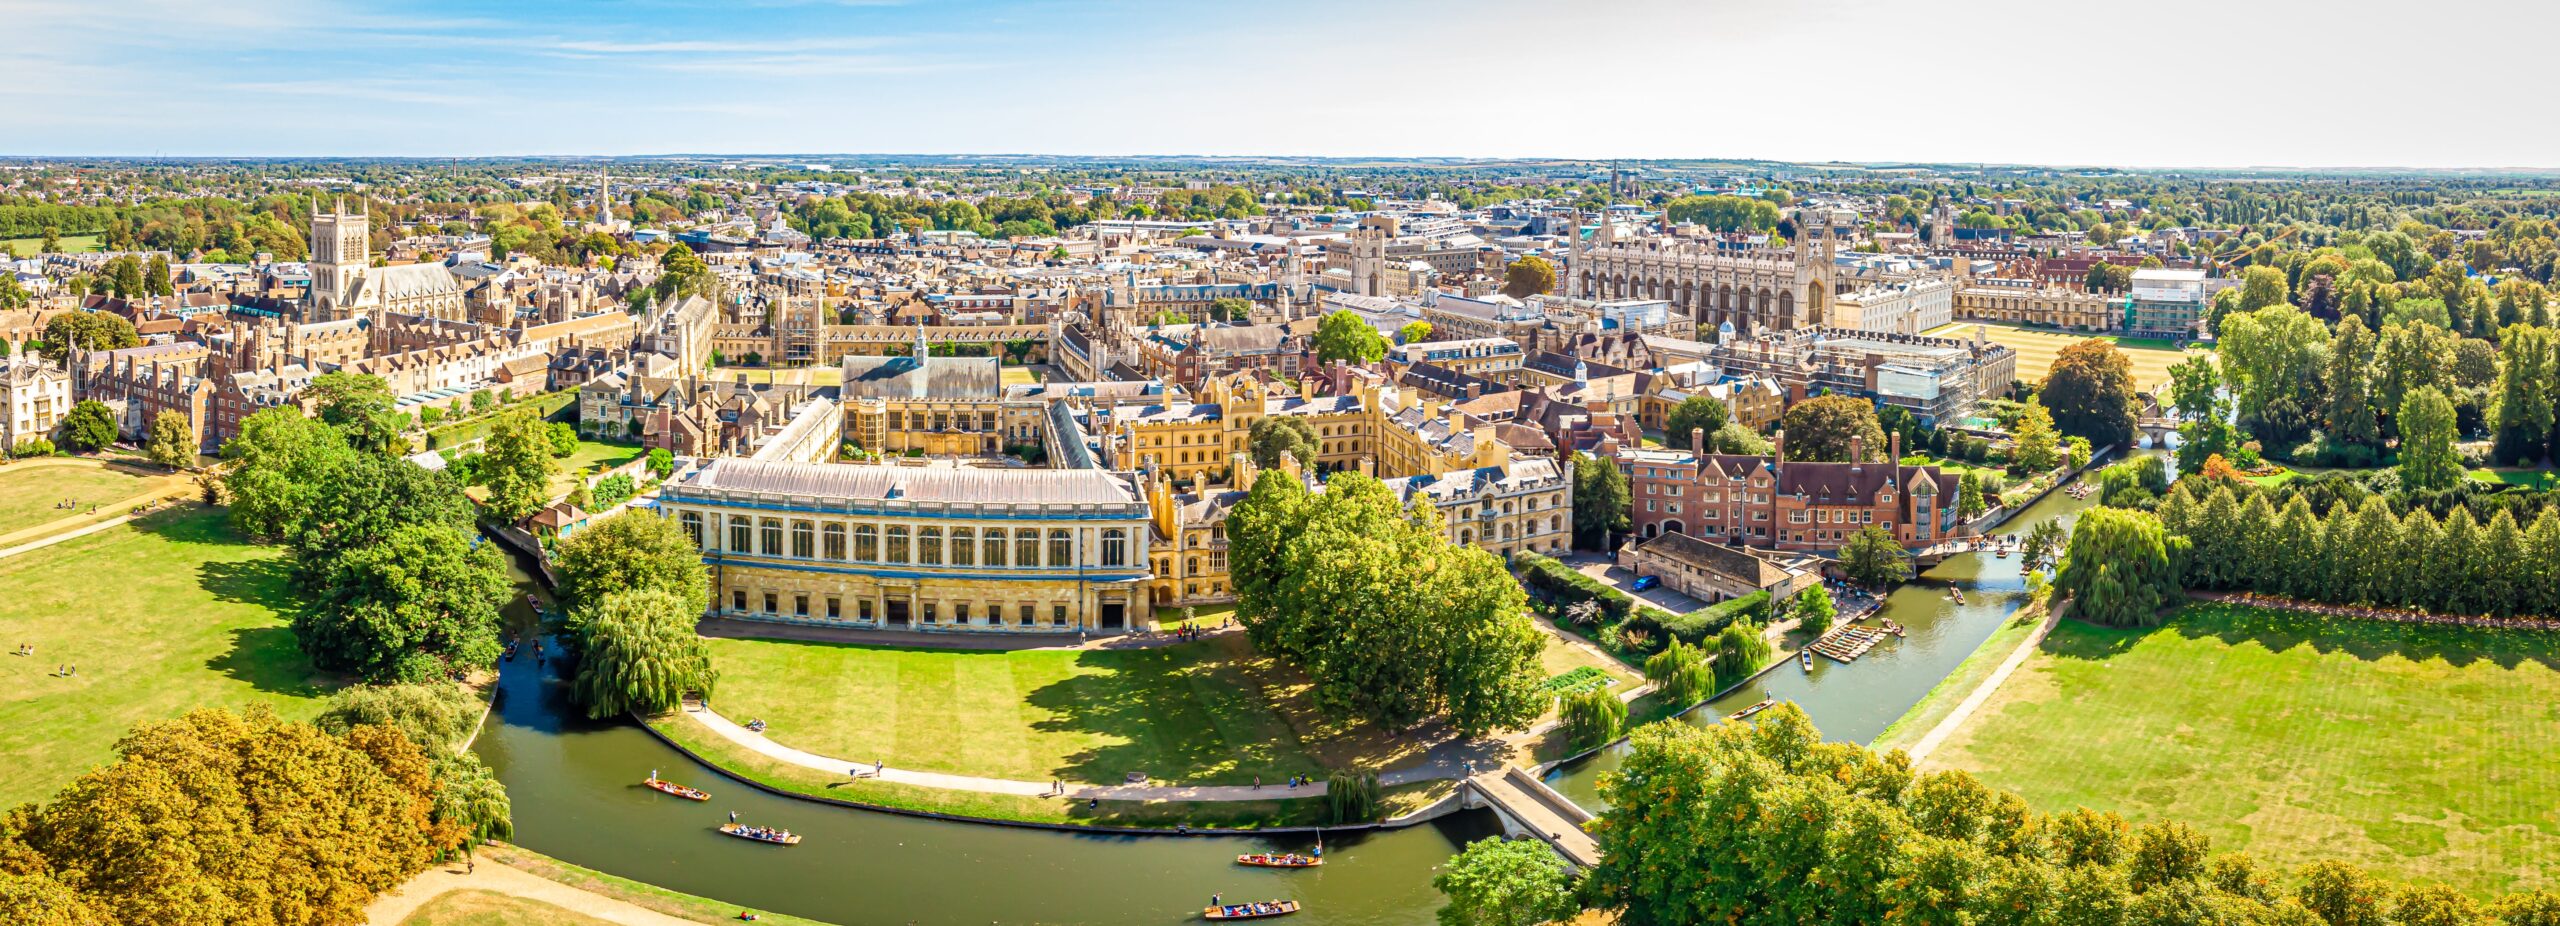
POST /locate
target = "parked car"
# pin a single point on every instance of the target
(1645, 583)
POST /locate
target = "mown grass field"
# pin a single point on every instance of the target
(71, 244)
(2037, 347)
(29, 490)
(2419, 752)
(161, 616)
(1208, 712)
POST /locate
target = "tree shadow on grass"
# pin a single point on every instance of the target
(2279, 630)
(270, 660)
(1183, 714)
(264, 582)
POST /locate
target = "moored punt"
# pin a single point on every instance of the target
(669, 787)
(1286, 860)
(1250, 911)
(761, 834)
(1765, 704)
(1807, 657)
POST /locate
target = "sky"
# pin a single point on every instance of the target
(2196, 83)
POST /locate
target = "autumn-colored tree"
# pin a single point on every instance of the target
(1529, 276)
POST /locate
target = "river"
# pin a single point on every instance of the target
(575, 787)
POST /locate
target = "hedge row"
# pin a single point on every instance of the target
(1696, 626)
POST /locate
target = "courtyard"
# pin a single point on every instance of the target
(2416, 751)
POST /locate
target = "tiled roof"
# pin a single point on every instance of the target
(922, 485)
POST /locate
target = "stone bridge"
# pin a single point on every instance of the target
(1528, 807)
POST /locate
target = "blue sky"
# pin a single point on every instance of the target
(2166, 82)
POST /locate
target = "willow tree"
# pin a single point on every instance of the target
(2122, 568)
(640, 655)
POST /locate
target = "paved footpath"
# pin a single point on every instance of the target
(389, 909)
(765, 746)
(1947, 727)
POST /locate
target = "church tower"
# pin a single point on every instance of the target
(604, 199)
(340, 249)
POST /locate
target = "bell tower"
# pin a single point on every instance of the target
(340, 249)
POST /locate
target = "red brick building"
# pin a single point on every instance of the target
(1771, 503)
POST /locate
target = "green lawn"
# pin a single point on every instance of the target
(161, 616)
(1019, 376)
(2421, 752)
(1206, 712)
(2037, 347)
(2514, 476)
(29, 492)
(71, 244)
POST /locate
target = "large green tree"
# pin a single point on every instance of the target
(1873, 559)
(517, 465)
(2272, 358)
(2351, 417)
(280, 464)
(87, 332)
(638, 653)
(2427, 457)
(420, 604)
(359, 404)
(89, 428)
(1344, 335)
(2528, 374)
(632, 550)
(173, 440)
(1697, 413)
(1273, 435)
(2039, 448)
(2204, 410)
(1822, 428)
(1499, 882)
(2090, 392)
(1391, 621)
(1600, 502)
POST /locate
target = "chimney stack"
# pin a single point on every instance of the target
(1778, 445)
(1895, 443)
(1697, 442)
(1857, 449)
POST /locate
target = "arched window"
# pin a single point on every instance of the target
(742, 535)
(833, 545)
(1115, 547)
(1062, 549)
(1026, 548)
(804, 540)
(1191, 567)
(929, 546)
(995, 546)
(692, 522)
(898, 543)
(964, 547)
(866, 543)
(772, 536)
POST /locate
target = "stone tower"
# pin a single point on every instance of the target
(340, 249)
(1818, 233)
